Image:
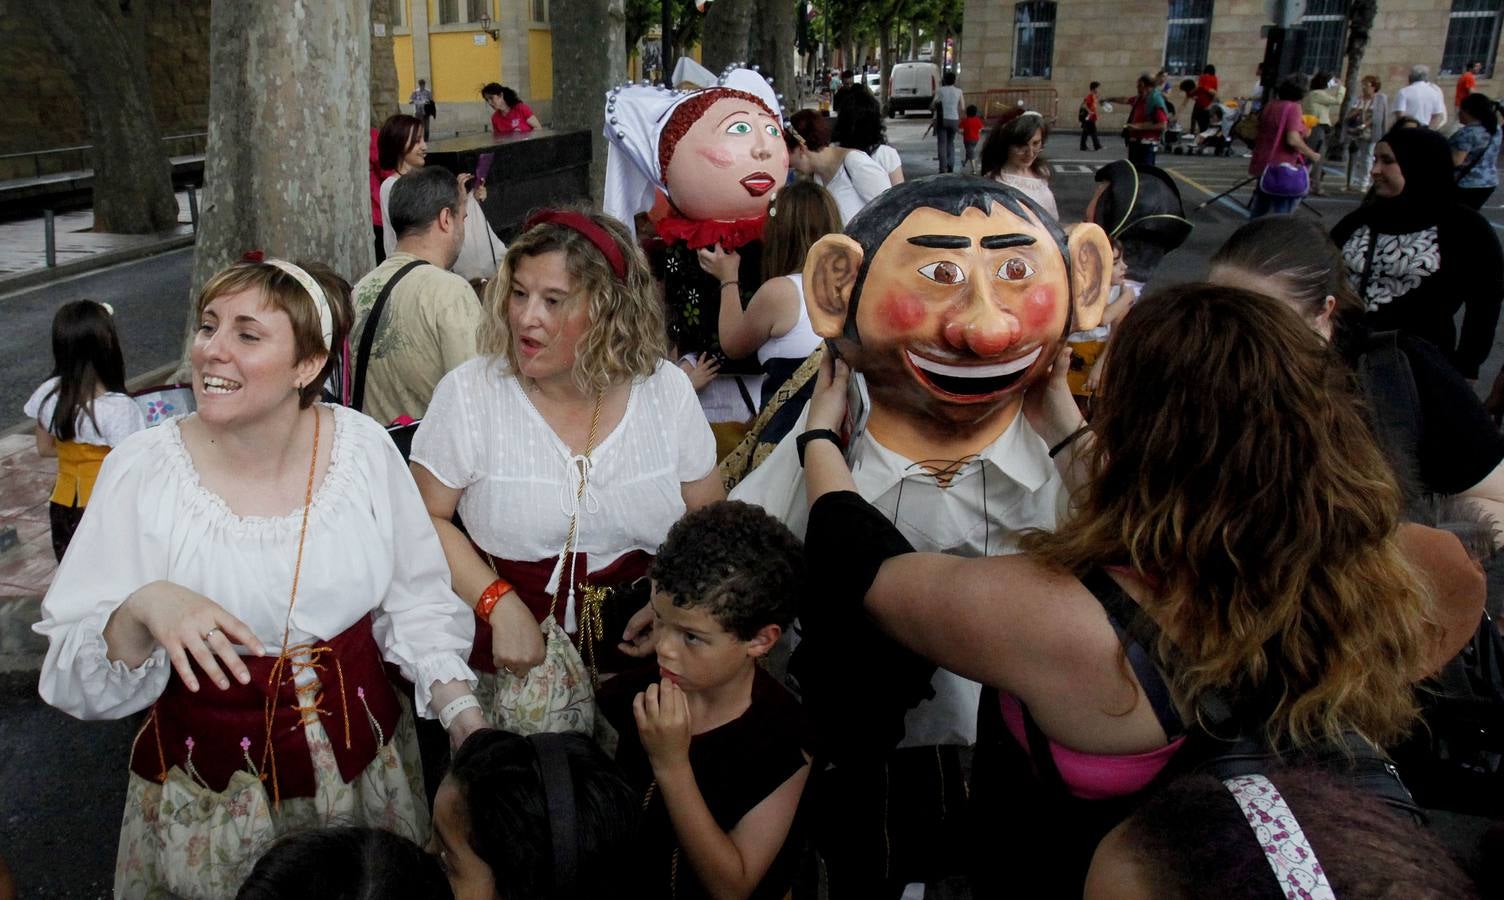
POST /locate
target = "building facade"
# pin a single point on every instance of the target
(443, 42)
(1067, 44)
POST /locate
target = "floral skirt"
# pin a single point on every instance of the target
(180, 839)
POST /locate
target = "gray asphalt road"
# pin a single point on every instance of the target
(150, 297)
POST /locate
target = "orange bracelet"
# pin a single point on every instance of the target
(490, 597)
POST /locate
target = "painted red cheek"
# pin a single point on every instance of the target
(718, 156)
(1041, 307)
(901, 312)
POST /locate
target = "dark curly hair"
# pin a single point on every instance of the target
(345, 863)
(742, 564)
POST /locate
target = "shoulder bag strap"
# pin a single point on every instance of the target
(368, 336)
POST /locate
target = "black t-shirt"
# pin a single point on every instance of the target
(693, 298)
(1456, 443)
(736, 767)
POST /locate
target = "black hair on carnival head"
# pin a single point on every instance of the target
(345, 863)
(744, 566)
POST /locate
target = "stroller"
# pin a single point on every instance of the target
(1217, 139)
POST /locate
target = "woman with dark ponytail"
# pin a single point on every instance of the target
(82, 410)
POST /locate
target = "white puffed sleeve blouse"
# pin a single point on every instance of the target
(370, 548)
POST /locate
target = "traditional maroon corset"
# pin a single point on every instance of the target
(214, 733)
(601, 601)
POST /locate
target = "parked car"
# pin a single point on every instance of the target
(874, 83)
(912, 85)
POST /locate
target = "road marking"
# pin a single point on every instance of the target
(1224, 201)
(1068, 168)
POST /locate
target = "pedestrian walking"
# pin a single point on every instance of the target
(1147, 118)
(423, 107)
(947, 107)
(1088, 115)
(82, 410)
(1365, 125)
(971, 134)
(1323, 101)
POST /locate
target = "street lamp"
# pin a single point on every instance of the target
(488, 26)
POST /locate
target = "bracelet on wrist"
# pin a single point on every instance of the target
(490, 597)
(453, 708)
(816, 434)
(1068, 440)
(726, 284)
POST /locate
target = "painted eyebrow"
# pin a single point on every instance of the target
(941, 241)
(1003, 241)
(740, 112)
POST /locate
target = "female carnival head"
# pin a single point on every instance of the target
(1234, 470)
(268, 331)
(574, 302)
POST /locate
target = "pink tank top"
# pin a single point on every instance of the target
(1093, 776)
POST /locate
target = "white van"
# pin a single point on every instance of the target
(912, 85)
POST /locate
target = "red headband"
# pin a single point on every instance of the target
(592, 232)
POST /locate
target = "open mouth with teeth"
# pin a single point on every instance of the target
(215, 385)
(971, 383)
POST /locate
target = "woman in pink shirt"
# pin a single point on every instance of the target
(1281, 142)
(509, 114)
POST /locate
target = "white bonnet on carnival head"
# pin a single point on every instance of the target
(636, 115)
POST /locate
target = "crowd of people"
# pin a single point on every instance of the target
(959, 629)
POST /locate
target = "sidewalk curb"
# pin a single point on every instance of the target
(32, 278)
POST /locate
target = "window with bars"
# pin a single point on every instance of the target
(1472, 35)
(1190, 28)
(1325, 24)
(1033, 38)
(540, 10)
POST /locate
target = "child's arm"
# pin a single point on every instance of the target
(728, 865)
(46, 445)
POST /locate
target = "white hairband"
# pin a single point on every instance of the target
(1284, 844)
(320, 302)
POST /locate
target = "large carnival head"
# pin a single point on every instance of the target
(1141, 209)
(952, 294)
(268, 333)
(574, 301)
(717, 152)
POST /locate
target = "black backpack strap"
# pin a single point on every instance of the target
(368, 335)
(1140, 639)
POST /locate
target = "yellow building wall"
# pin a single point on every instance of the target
(407, 80)
(460, 66)
(540, 63)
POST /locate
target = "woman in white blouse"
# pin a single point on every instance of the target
(245, 571)
(853, 178)
(1013, 155)
(570, 431)
(859, 126)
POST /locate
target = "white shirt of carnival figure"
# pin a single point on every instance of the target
(370, 548)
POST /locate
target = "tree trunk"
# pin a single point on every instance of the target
(776, 29)
(584, 71)
(1360, 17)
(727, 24)
(132, 175)
(384, 99)
(913, 43)
(287, 163)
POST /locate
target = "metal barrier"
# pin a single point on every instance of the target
(57, 160)
(991, 104)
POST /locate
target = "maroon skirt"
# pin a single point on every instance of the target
(603, 601)
(258, 727)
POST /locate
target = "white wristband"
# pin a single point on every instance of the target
(453, 708)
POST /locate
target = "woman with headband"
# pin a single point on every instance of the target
(568, 447)
(1014, 155)
(245, 572)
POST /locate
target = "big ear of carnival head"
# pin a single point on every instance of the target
(953, 294)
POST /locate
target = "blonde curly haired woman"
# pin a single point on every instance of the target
(568, 447)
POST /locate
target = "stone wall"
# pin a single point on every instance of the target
(43, 108)
(1112, 41)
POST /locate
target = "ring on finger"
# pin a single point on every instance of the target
(211, 632)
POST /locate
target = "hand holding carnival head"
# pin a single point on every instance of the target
(662, 714)
(188, 624)
(827, 406)
(953, 295)
(718, 153)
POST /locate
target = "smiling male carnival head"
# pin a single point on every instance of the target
(952, 295)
